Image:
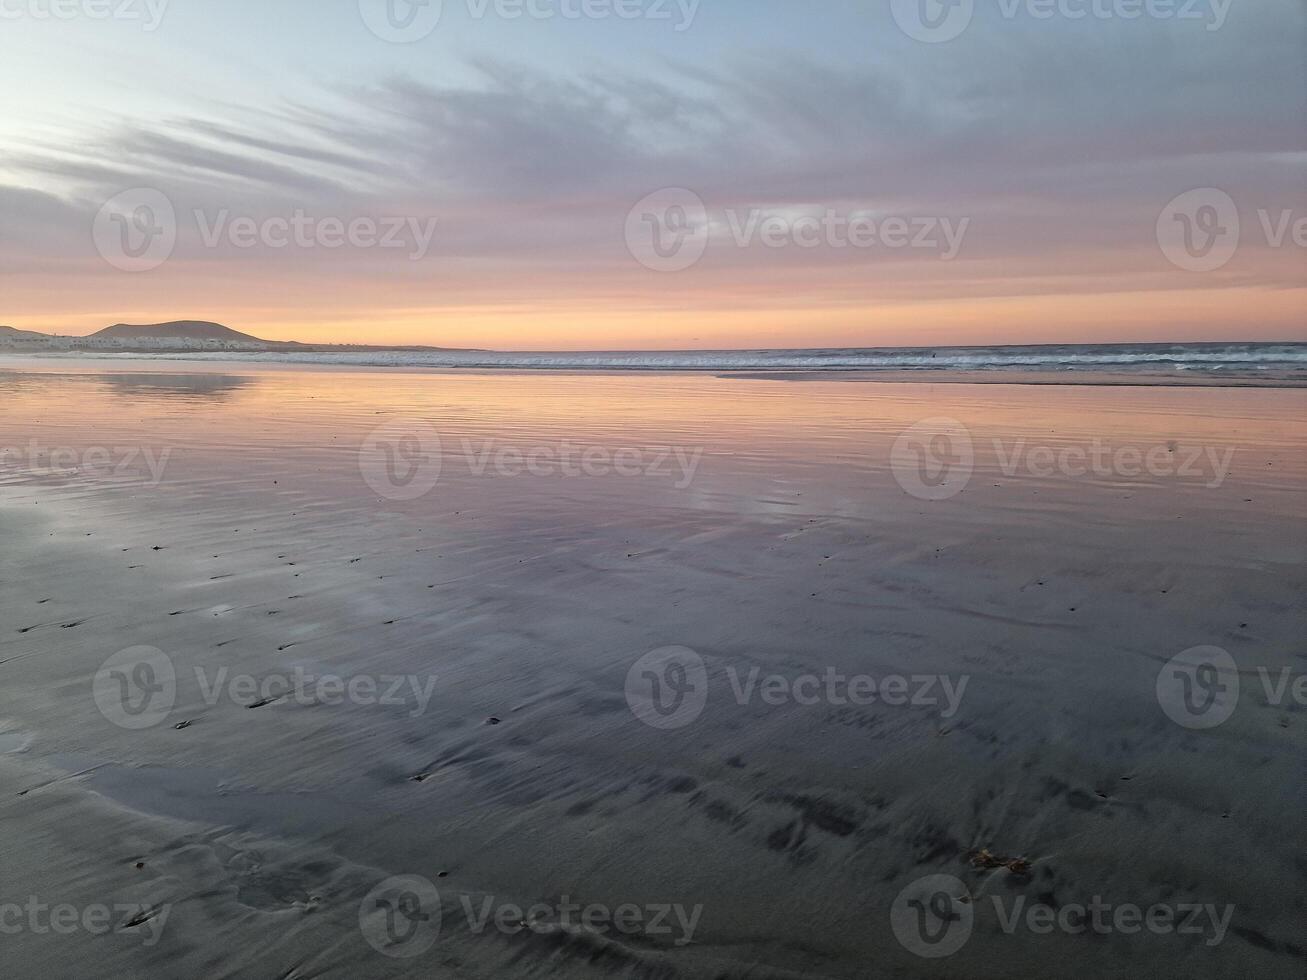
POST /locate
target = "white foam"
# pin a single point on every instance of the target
(1179, 357)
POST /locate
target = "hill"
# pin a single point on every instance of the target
(176, 335)
(13, 333)
(194, 329)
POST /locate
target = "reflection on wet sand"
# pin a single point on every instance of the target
(184, 385)
(147, 384)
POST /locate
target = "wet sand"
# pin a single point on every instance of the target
(792, 547)
(1228, 378)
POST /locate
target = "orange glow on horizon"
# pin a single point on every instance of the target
(1250, 314)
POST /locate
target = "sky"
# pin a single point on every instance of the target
(658, 174)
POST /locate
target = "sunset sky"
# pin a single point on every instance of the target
(1054, 143)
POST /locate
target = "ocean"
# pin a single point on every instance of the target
(1117, 358)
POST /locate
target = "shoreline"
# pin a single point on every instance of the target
(1079, 377)
(1083, 378)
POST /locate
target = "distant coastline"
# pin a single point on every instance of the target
(176, 336)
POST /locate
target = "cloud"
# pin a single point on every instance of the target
(1060, 143)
